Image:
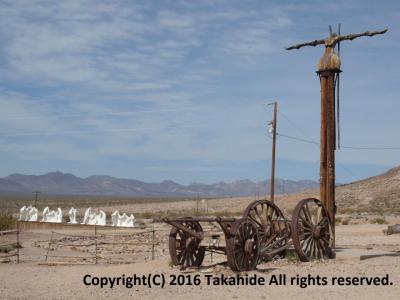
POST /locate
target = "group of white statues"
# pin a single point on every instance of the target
(122, 220)
(30, 213)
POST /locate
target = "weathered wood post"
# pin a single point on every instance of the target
(272, 187)
(18, 244)
(48, 248)
(152, 242)
(95, 243)
(328, 69)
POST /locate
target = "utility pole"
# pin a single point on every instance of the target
(36, 197)
(272, 181)
(328, 72)
(197, 205)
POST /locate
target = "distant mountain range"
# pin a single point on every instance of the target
(58, 183)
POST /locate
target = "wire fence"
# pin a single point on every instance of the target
(97, 247)
(10, 249)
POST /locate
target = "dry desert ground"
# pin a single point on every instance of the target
(63, 278)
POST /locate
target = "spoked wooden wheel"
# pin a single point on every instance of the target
(312, 230)
(271, 224)
(184, 249)
(242, 248)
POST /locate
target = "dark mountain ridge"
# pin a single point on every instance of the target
(58, 183)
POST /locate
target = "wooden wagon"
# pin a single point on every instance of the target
(261, 233)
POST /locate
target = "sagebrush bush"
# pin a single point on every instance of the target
(381, 220)
(6, 220)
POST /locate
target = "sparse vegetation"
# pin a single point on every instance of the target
(345, 222)
(380, 220)
(290, 255)
(348, 210)
(6, 220)
(65, 202)
(183, 213)
(9, 248)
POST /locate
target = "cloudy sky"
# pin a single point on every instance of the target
(176, 90)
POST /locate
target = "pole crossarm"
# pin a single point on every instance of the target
(334, 39)
(313, 43)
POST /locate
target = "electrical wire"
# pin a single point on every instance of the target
(343, 147)
(310, 140)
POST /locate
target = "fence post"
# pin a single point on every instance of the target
(48, 249)
(18, 245)
(95, 242)
(152, 244)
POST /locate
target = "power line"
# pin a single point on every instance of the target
(312, 141)
(343, 147)
(370, 148)
(296, 126)
(297, 139)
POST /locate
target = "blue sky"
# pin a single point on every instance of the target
(158, 90)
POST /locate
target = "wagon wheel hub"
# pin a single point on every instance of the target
(248, 247)
(319, 232)
(191, 244)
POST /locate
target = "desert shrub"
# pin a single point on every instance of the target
(345, 222)
(380, 220)
(6, 220)
(348, 210)
(224, 213)
(290, 255)
(338, 220)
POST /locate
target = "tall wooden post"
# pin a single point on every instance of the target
(18, 243)
(328, 69)
(272, 187)
(328, 139)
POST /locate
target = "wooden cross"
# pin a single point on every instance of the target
(328, 71)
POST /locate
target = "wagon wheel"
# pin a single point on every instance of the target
(312, 230)
(271, 225)
(184, 249)
(242, 247)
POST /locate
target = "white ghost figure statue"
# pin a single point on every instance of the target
(86, 216)
(32, 214)
(52, 216)
(23, 213)
(122, 221)
(93, 218)
(28, 213)
(129, 221)
(101, 218)
(115, 218)
(72, 216)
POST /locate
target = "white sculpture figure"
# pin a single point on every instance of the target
(129, 222)
(32, 214)
(52, 216)
(22, 213)
(29, 213)
(86, 216)
(93, 218)
(122, 221)
(72, 216)
(101, 218)
(115, 218)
